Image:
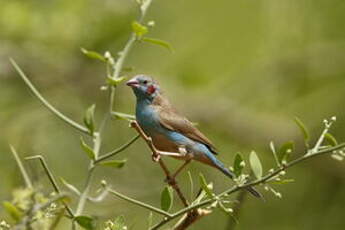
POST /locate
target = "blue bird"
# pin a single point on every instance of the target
(172, 134)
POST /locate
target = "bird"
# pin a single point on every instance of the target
(171, 133)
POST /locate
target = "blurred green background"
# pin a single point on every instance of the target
(241, 69)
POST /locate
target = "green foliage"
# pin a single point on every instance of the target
(87, 149)
(89, 118)
(331, 139)
(117, 224)
(285, 151)
(239, 164)
(139, 29)
(158, 42)
(93, 55)
(86, 222)
(13, 211)
(255, 164)
(114, 163)
(304, 130)
(167, 198)
(205, 186)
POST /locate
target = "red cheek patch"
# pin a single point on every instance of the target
(151, 89)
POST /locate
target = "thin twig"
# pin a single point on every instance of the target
(46, 103)
(22, 168)
(51, 179)
(118, 150)
(139, 203)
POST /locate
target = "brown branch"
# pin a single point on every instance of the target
(156, 157)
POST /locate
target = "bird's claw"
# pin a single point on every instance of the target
(156, 157)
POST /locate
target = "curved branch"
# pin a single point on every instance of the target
(46, 103)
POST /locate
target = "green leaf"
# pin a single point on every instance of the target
(303, 129)
(158, 42)
(93, 54)
(284, 181)
(119, 223)
(114, 163)
(285, 151)
(139, 29)
(70, 186)
(239, 164)
(206, 187)
(191, 183)
(115, 81)
(86, 222)
(90, 153)
(331, 139)
(123, 116)
(273, 149)
(89, 118)
(13, 211)
(255, 164)
(166, 198)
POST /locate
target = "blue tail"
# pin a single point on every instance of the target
(219, 165)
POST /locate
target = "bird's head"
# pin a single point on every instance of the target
(144, 87)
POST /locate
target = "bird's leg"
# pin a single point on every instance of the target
(155, 152)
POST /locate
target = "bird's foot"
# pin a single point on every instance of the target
(156, 157)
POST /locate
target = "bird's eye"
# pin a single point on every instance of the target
(145, 82)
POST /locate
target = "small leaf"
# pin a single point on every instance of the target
(123, 116)
(90, 153)
(86, 222)
(303, 129)
(13, 211)
(115, 82)
(191, 183)
(93, 55)
(207, 188)
(166, 198)
(273, 149)
(139, 29)
(158, 42)
(114, 163)
(331, 139)
(239, 164)
(255, 164)
(285, 151)
(89, 118)
(70, 186)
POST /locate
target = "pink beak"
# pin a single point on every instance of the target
(133, 83)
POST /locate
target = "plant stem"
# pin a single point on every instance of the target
(118, 150)
(141, 204)
(51, 179)
(85, 193)
(251, 184)
(46, 103)
(21, 168)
